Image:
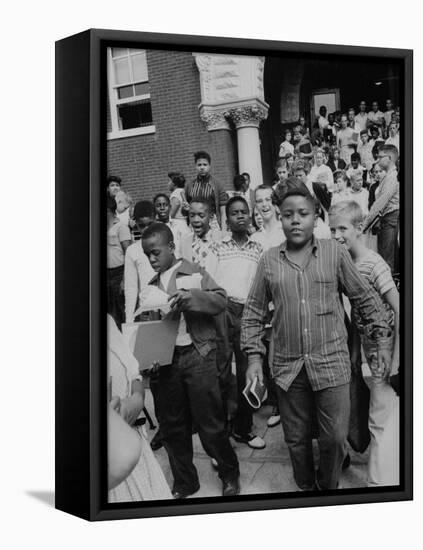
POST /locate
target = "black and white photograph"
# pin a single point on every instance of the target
(253, 273)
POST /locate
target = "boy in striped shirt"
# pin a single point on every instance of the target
(346, 222)
(311, 362)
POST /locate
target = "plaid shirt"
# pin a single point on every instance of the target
(236, 266)
(308, 322)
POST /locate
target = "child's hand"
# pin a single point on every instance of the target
(255, 369)
(131, 407)
(180, 300)
(383, 362)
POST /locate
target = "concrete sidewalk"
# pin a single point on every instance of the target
(262, 471)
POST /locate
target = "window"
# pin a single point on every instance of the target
(129, 93)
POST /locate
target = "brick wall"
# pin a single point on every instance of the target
(144, 161)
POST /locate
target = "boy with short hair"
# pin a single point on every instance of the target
(188, 389)
(138, 270)
(311, 362)
(237, 260)
(206, 186)
(198, 246)
(346, 222)
(162, 207)
(358, 193)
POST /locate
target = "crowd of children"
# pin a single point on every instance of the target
(260, 280)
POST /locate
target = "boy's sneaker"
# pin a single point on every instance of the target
(274, 419)
(253, 441)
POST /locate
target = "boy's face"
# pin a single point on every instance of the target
(351, 114)
(375, 106)
(159, 252)
(336, 154)
(341, 184)
(282, 173)
(354, 163)
(301, 175)
(203, 167)
(374, 133)
(298, 220)
(384, 160)
(113, 188)
(162, 207)
(238, 217)
(344, 121)
(264, 203)
(363, 106)
(388, 105)
(143, 223)
(288, 136)
(343, 230)
(356, 182)
(171, 185)
(247, 183)
(364, 138)
(378, 172)
(199, 218)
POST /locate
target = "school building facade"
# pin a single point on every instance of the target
(165, 105)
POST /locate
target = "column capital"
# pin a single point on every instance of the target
(214, 117)
(248, 113)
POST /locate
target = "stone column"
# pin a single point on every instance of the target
(232, 89)
(247, 118)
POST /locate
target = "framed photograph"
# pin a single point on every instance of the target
(234, 282)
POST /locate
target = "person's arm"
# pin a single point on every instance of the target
(175, 203)
(131, 406)
(131, 287)
(123, 449)
(253, 323)
(124, 237)
(211, 299)
(390, 187)
(392, 297)
(330, 181)
(368, 304)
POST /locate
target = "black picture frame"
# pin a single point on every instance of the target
(80, 262)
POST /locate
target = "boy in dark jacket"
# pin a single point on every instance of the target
(189, 388)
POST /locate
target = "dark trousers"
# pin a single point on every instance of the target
(332, 406)
(115, 299)
(189, 393)
(387, 238)
(243, 420)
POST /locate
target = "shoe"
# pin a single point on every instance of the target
(184, 494)
(347, 461)
(253, 441)
(273, 420)
(157, 441)
(230, 488)
(214, 464)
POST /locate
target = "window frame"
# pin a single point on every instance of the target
(114, 102)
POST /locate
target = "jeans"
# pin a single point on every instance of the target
(332, 407)
(243, 420)
(387, 238)
(189, 393)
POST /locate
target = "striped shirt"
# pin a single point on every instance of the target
(377, 272)
(387, 198)
(308, 321)
(236, 267)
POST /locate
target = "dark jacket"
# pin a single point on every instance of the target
(203, 306)
(341, 165)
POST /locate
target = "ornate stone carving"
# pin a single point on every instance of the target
(247, 115)
(214, 119)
